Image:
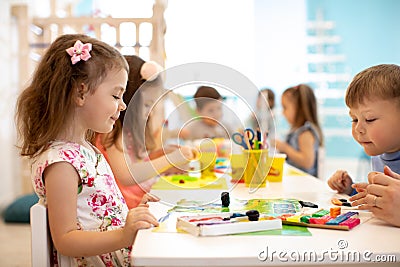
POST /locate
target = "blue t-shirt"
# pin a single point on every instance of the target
(392, 160)
(293, 140)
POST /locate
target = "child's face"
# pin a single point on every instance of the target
(263, 101)
(376, 126)
(100, 110)
(211, 112)
(288, 109)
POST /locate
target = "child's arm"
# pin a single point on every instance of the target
(305, 156)
(341, 181)
(145, 170)
(182, 133)
(61, 182)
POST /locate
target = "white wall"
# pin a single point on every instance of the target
(280, 43)
(262, 39)
(9, 174)
(211, 31)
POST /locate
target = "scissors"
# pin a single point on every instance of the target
(240, 139)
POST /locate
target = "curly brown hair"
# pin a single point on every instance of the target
(44, 106)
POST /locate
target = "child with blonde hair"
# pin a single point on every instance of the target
(373, 97)
(76, 90)
(305, 137)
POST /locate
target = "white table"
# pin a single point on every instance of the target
(367, 243)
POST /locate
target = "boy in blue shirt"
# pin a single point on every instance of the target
(373, 98)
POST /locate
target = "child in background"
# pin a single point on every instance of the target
(263, 116)
(305, 136)
(77, 89)
(373, 98)
(145, 87)
(209, 110)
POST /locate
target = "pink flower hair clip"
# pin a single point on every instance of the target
(150, 70)
(79, 52)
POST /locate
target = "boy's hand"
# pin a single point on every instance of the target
(341, 181)
(138, 218)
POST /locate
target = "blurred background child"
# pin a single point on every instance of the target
(209, 123)
(302, 144)
(263, 116)
(144, 153)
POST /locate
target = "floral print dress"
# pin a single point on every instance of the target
(100, 204)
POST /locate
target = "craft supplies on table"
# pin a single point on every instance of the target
(224, 224)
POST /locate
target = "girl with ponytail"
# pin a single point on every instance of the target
(302, 144)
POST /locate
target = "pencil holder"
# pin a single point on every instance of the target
(256, 170)
(238, 164)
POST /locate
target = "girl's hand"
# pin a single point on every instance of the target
(162, 151)
(341, 181)
(137, 218)
(149, 198)
(183, 155)
(190, 153)
(382, 196)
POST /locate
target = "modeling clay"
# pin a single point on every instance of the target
(341, 218)
(351, 222)
(335, 211)
(320, 213)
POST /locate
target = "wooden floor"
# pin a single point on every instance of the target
(15, 244)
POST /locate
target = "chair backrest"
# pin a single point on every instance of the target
(40, 236)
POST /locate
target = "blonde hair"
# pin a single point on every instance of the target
(380, 81)
(45, 105)
(305, 103)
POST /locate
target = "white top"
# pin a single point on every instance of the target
(100, 205)
(364, 243)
